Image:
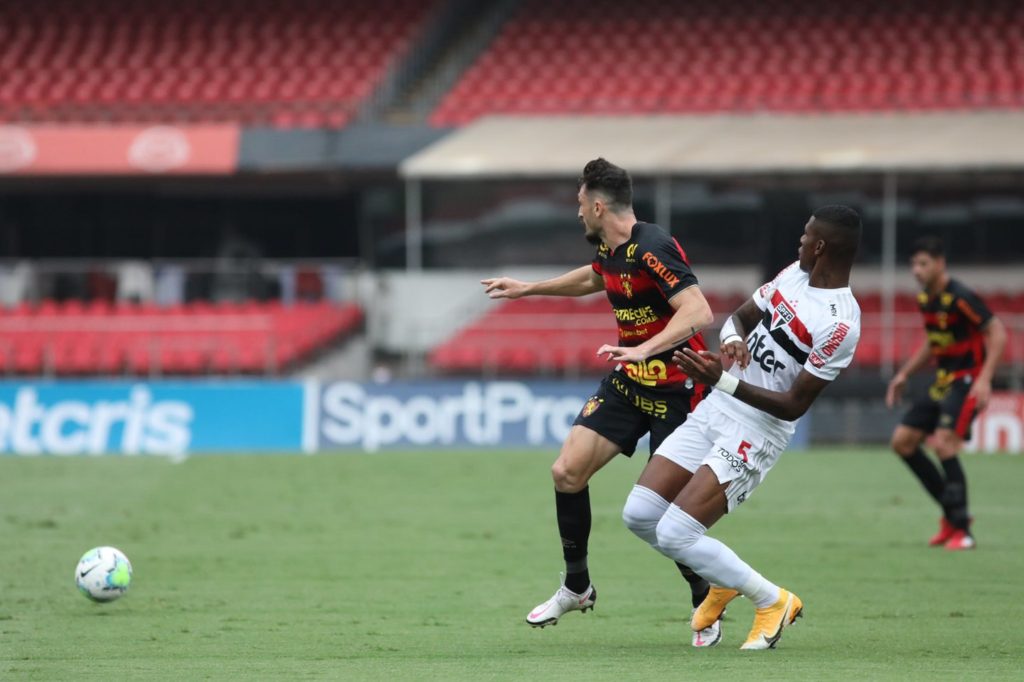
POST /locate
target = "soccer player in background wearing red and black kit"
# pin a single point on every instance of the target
(966, 341)
(659, 308)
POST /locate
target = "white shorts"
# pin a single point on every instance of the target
(738, 454)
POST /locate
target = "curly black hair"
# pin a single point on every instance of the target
(613, 182)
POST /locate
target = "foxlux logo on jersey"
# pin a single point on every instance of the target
(819, 357)
(494, 413)
(135, 425)
(659, 269)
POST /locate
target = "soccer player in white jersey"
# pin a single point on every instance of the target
(787, 343)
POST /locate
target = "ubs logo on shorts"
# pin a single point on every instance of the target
(591, 406)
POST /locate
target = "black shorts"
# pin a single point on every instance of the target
(946, 406)
(623, 411)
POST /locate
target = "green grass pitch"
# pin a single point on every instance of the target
(424, 565)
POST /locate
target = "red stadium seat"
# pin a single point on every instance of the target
(185, 339)
(532, 335)
(255, 62)
(741, 56)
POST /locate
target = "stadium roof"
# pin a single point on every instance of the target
(687, 145)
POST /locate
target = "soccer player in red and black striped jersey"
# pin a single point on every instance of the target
(966, 342)
(659, 308)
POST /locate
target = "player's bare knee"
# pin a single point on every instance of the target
(567, 479)
(904, 444)
(947, 445)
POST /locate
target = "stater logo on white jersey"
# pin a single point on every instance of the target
(802, 328)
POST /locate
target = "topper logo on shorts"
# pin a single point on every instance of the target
(659, 269)
(735, 462)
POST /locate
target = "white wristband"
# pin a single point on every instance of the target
(729, 339)
(727, 383)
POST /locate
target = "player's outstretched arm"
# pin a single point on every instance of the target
(692, 314)
(789, 405)
(894, 391)
(579, 282)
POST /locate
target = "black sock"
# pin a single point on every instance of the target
(573, 511)
(699, 587)
(954, 500)
(927, 473)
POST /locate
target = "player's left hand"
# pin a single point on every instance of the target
(981, 391)
(621, 354)
(705, 367)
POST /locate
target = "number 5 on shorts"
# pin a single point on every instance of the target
(742, 450)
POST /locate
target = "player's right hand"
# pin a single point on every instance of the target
(895, 390)
(503, 287)
(736, 351)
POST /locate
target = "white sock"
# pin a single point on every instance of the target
(644, 508)
(760, 591)
(683, 538)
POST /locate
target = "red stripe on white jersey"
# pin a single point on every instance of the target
(795, 325)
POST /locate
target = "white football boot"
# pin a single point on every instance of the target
(561, 603)
(709, 636)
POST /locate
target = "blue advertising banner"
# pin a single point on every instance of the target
(166, 418)
(447, 414)
(451, 414)
(178, 418)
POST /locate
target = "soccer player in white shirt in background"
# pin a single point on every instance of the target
(787, 343)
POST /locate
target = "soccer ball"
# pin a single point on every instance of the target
(103, 574)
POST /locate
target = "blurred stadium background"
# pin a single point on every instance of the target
(305, 194)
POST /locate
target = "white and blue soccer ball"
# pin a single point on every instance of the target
(103, 574)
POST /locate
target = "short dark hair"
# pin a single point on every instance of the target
(605, 177)
(929, 244)
(846, 228)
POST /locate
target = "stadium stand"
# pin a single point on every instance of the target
(305, 63)
(531, 335)
(553, 335)
(652, 56)
(74, 338)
